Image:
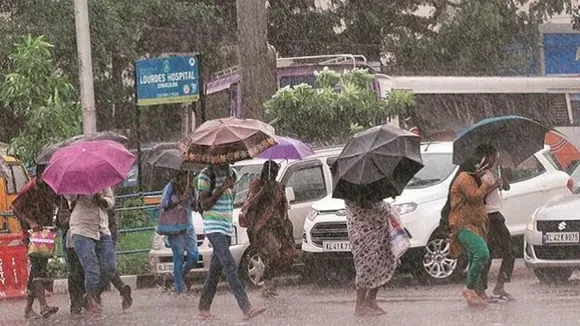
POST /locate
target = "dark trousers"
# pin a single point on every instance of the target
(76, 281)
(38, 272)
(500, 244)
(223, 261)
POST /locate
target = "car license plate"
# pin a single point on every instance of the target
(164, 268)
(562, 237)
(339, 246)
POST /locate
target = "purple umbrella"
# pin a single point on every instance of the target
(88, 167)
(287, 148)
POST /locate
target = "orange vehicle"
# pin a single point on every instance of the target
(13, 176)
(13, 253)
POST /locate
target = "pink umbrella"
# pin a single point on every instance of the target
(86, 168)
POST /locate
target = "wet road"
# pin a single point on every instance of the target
(406, 303)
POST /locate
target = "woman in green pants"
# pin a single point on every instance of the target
(468, 222)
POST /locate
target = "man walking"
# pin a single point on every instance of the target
(93, 244)
(499, 237)
(217, 200)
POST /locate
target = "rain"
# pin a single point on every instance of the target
(297, 162)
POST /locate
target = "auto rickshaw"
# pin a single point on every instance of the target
(13, 258)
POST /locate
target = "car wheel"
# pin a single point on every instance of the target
(552, 276)
(252, 268)
(435, 264)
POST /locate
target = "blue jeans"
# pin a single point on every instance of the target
(180, 244)
(222, 260)
(98, 260)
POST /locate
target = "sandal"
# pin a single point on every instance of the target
(48, 311)
(253, 313)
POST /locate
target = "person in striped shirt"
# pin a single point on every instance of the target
(216, 196)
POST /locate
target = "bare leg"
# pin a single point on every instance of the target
(360, 307)
(372, 300)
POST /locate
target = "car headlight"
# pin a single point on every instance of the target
(158, 242)
(312, 214)
(405, 208)
(531, 225)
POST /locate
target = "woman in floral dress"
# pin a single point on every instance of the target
(375, 263)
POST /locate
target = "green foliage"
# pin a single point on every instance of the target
(340, 105)
(137, 218)
(133, 264)
(57, 268)
(122, 31)
(298, 28)
(35, 90)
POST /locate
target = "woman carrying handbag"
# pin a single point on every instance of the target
(175, 222)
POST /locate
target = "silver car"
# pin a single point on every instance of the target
(552, 240)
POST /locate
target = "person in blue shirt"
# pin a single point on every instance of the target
(179, 192)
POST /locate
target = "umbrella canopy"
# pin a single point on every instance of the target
(87, 167)
(172, 159)
(287, 148)
(377, 163)
(48, 151)
(516, 139)
(228, 140)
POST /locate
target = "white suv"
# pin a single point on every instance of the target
(534, 183)
(306, 181)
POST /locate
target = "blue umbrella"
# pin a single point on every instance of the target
(516, 138)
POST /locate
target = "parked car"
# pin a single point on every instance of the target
(306, 181)
(534, 183)
(552, 240)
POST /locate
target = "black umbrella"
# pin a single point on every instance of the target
(48, 151)
(166, 155)
(377, 163)
(516, 138)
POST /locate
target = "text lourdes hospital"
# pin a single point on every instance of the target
(167, 80)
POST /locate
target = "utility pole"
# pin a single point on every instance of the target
(85, 66)
(257, 59)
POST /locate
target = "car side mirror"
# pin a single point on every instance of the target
(290, 196)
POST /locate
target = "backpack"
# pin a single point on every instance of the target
(197, 207)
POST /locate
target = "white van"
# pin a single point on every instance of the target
(307, 181)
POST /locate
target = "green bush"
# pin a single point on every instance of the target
(57, 268)
(134, 218)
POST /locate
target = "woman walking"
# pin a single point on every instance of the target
(175, 194)
(368, 232)
(469, 224)
(265, 214)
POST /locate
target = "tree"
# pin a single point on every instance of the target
(476, 37)
(41, 98)
(340, 105)
(370, 27)
(298, 28)
(121, 31)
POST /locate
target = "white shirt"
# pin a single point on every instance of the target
(493, 203)
(88, 219)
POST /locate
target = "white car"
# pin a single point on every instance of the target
(534, 183)
(552, 240)
(306, 181)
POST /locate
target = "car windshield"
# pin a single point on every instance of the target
(438, 167)
(246, 174)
